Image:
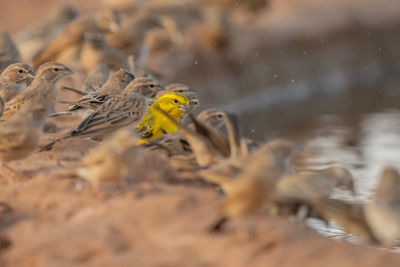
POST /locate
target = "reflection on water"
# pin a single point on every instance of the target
(378, 145)
(359, 129)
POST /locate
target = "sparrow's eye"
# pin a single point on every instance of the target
(20, 71)
(151, 85)
(180, 91)
(56, 69)
(219, 116)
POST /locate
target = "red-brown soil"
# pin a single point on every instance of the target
(51, 219)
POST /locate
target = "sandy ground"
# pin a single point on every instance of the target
(48, 218)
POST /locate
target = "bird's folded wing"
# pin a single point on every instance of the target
(113, 114)
(13, 106)
(145, 129)
(90, 100)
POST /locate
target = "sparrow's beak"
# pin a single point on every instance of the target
(31, 75)
(184, 108)
(68, 71)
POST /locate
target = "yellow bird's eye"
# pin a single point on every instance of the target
(175, 101)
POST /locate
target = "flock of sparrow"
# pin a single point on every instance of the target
(132, 116)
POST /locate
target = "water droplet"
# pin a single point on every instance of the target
(195, 63)
(293, 80)
(304, 52)
(253, 131)
(78, 186)
(275, 76)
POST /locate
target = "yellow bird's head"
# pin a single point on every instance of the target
(173, 103)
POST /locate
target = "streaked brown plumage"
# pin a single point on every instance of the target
(42, 89)
(86, 104)
(124, 110)
(14, 79)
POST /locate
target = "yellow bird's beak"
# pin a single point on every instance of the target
(184, 108)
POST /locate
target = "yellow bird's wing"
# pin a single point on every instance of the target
(145, 129)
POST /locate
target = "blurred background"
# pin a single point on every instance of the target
(323, 73)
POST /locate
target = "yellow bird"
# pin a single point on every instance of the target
(155, 124)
